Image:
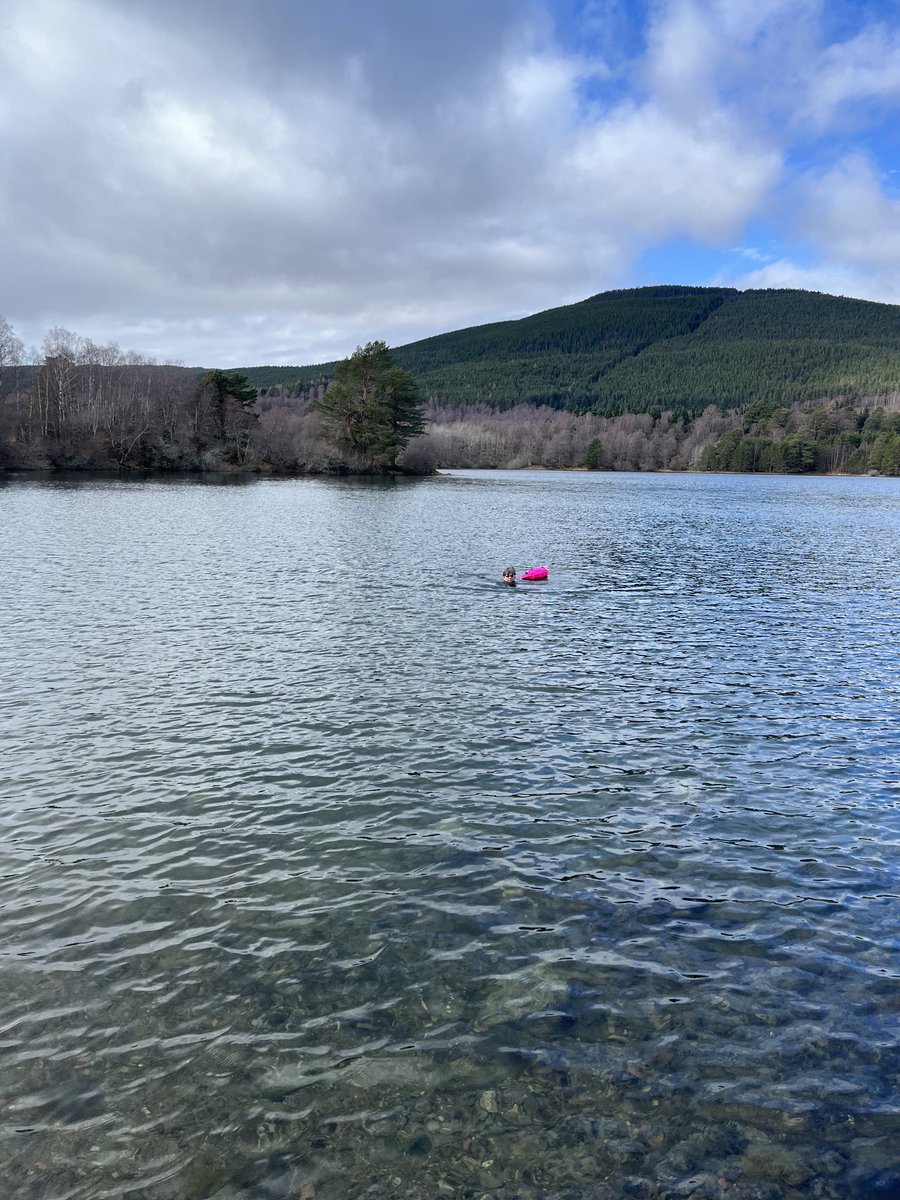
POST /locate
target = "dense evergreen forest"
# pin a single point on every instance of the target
(646, 379)
(673, 348)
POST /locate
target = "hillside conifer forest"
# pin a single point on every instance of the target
(678, 378)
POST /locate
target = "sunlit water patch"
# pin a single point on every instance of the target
(332, 868)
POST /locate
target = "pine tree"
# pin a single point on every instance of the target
(372, 408)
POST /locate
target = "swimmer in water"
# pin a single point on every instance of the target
(509, 576)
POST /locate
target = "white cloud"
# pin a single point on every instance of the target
(744, 56)
(863, 68)
(833, 278)
(649, 174)
(683, 54)
(753, 253)
(852, 227)
(221, 183)
(846, 211)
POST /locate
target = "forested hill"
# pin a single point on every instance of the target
(675, 348)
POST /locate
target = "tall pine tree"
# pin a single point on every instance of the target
(372, 408)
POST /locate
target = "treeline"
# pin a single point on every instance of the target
(554, 357)
(290, 437)
(677, 349)
(90, 406)
(671, 349)
(823, 439)
(480, 436)
(831, 437)
(86, 406)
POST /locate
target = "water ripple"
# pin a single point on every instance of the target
(378, 879)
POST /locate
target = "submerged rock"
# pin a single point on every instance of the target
(768, 1160)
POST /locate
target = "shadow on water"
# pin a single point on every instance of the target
(70, 480)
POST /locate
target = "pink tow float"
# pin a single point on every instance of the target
(535, 573)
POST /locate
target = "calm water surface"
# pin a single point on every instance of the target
(330, 868)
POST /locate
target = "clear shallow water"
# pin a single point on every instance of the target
(330, 868)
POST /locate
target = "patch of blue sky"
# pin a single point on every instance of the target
(843, 19)
(608, 36)
(613, 30)
(694, 263)
(682, 260)
(876, 140)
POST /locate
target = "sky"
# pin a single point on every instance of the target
(246, 182)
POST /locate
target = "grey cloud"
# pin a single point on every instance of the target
(225, 182)
(401, 55)
(206, 170)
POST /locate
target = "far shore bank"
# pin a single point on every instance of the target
(247, 475)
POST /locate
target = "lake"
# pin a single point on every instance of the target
(333, 868)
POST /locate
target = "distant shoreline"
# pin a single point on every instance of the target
(237, 475)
